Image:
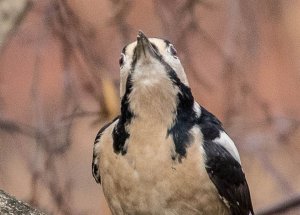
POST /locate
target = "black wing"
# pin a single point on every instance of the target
(227, 175)
(95, 164)
(223, 169)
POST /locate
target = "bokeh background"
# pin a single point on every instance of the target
(59, 82)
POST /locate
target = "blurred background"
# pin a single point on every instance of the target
(59, 82)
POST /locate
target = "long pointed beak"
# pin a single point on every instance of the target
(143, 45)
(142, 42)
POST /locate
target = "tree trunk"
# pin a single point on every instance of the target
(10, 205)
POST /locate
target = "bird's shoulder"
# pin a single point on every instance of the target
(97, 144)
(103, 128)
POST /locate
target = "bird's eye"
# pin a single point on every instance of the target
(172, 50)
(122, 59)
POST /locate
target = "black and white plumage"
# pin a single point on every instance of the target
(166, 154)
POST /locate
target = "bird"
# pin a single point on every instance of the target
(166, 154)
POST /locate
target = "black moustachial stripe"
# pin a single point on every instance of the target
(185, 115)
(95, 169)
(120, 134)
(134, 59)
(154, 47)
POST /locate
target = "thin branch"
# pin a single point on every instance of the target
(281, 207)
(120, 12)
(15, 17)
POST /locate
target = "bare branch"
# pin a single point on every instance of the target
(12, 12)
(281, 207)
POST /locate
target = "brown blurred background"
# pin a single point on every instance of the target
(59, 81)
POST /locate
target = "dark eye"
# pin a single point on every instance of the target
(122, 59)
(172, 50)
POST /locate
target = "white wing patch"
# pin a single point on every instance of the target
(225, 141)
(197, 109)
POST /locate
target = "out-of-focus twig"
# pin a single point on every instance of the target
(12, 12)
(121, 10)
(181, 19)
(281, 207)
(76, 39)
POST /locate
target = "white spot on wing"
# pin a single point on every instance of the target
(225, 201)
(228, 144)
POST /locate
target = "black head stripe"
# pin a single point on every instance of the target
(155, 47)
(134, 60)
(167, 42)
(124, 49)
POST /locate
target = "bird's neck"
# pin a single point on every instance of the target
(167, 107)
(157, 103)
(155, 95)
(154, 102)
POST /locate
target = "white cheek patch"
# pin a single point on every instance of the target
(225, 141)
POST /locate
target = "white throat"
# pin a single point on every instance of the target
(153, 97)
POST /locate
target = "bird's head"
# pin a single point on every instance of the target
(148, 60)
(152, 70)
